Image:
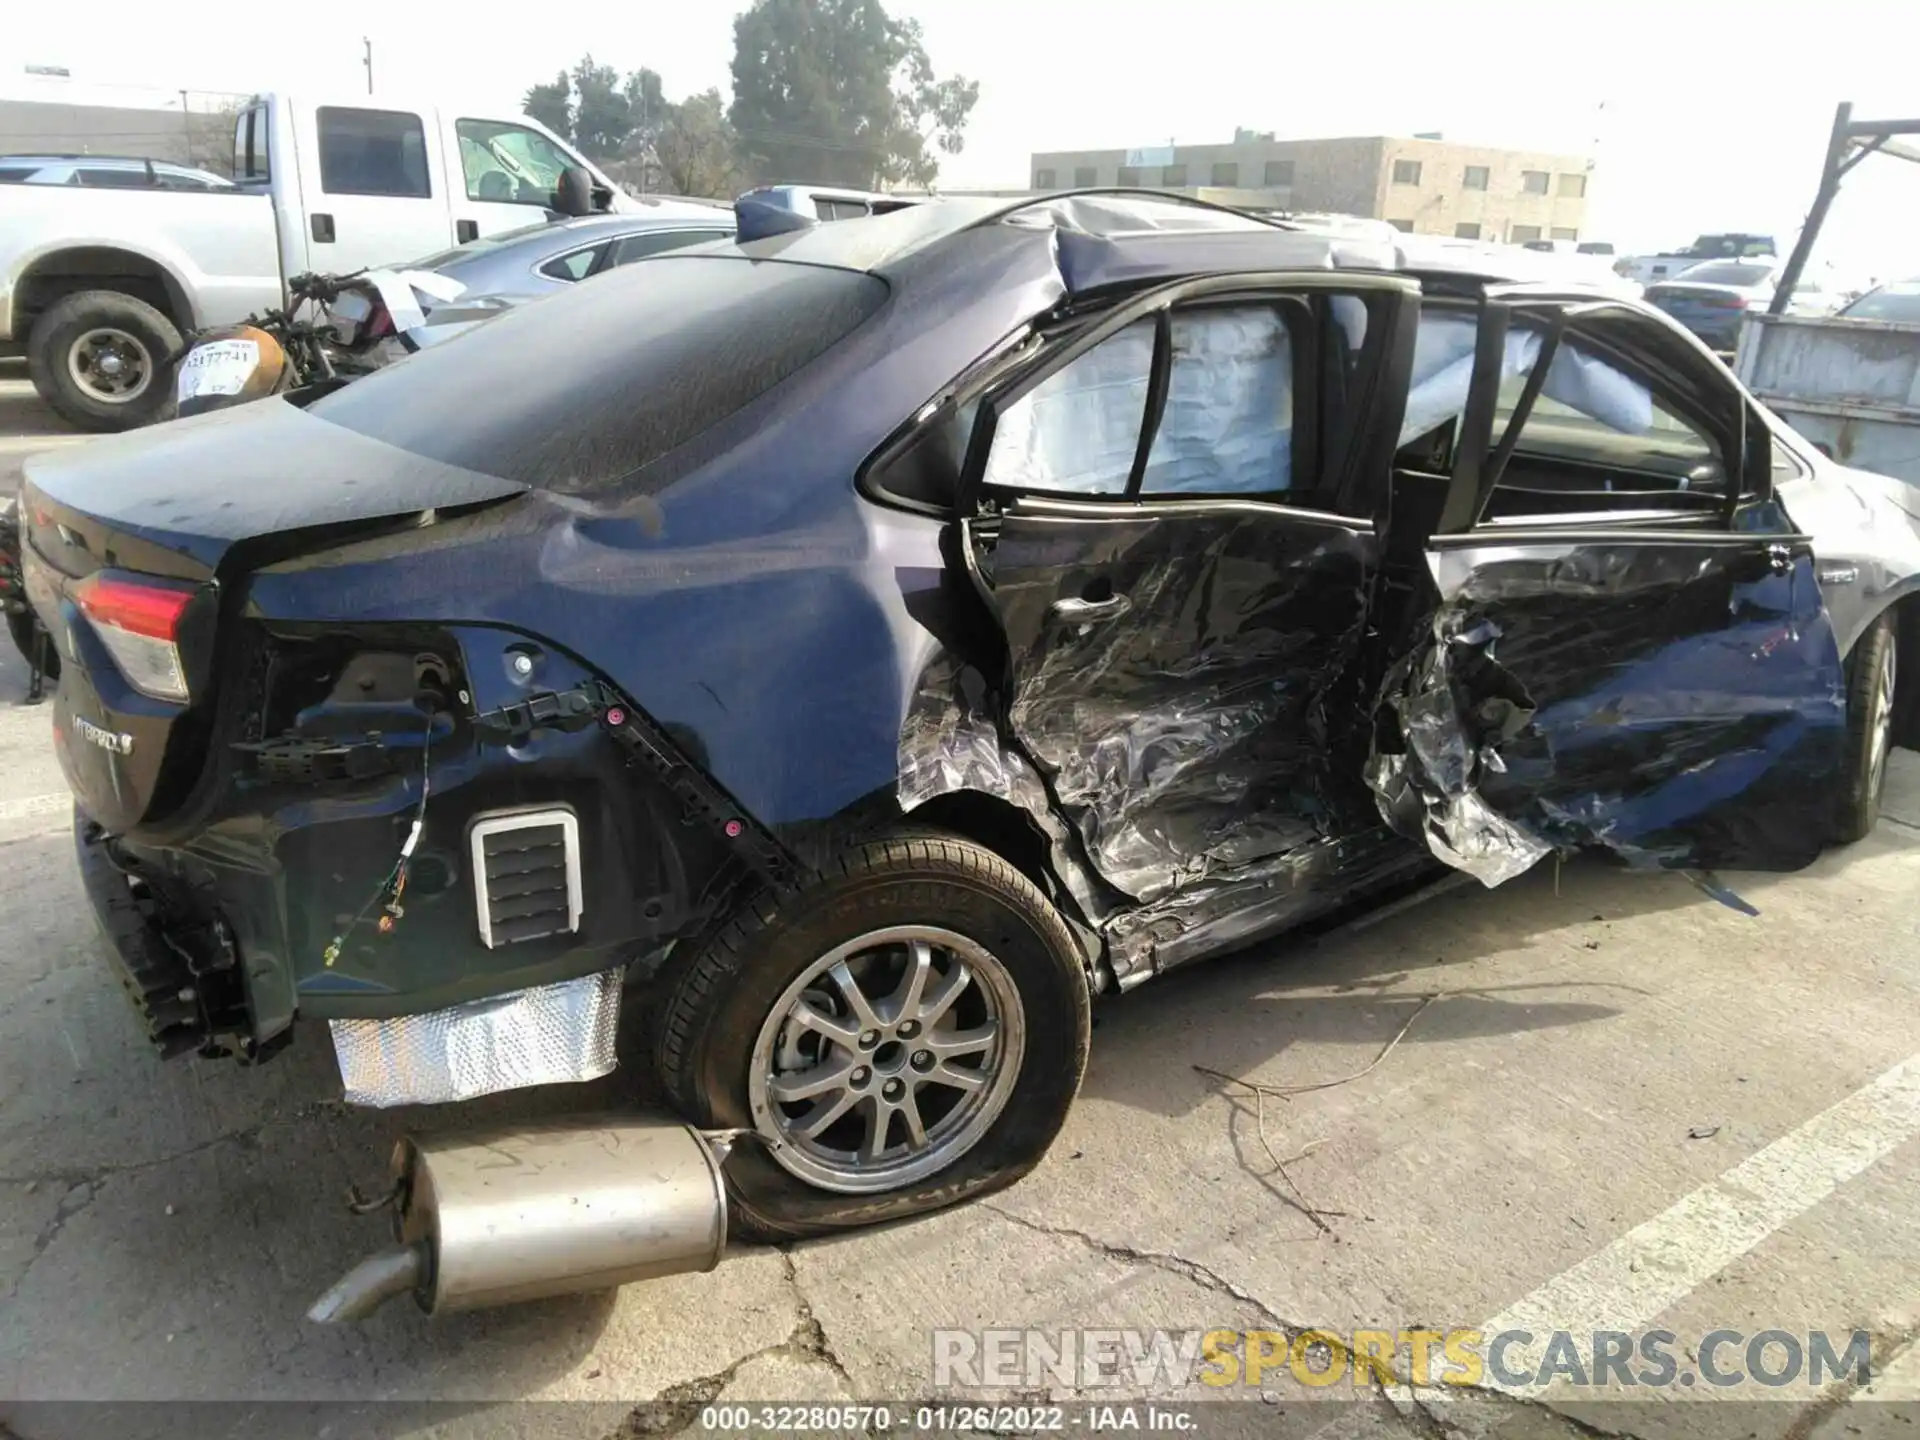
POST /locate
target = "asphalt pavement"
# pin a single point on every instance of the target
(1613, 1104)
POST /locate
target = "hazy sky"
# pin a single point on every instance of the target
(1702, 115)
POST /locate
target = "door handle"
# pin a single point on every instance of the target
(465, 230)
(322, 226)
(1085, 612)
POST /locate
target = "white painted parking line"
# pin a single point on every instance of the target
(1662, 1260)
(34, 805)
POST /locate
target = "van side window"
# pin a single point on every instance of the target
(373, 152)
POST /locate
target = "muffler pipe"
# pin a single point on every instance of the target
(369, 1285)
(498, 1217)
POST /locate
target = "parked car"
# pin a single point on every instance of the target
(823, 202)
(96, 289)
(1898, 301)
(1729, 245)
(107, 172)
(875, 641)
(1711, 299)
(542, 259)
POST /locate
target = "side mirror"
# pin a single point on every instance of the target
(573, 196)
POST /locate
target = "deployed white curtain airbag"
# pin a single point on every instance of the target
(1443, 369)
(1227, 427)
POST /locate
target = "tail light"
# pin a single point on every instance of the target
(139, 623)
(1729, 302)
(379, 323)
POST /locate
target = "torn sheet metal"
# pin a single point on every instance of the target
(1676, 703)
(950, 742)
(1429, 787)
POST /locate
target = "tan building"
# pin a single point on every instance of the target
(1423, 184)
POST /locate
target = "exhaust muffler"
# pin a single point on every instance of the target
(496, 1218)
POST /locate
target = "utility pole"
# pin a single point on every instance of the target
(367, 60)
(186, 127)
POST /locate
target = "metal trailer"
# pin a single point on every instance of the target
(1850, 386)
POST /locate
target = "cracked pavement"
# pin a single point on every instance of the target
(165, 1225)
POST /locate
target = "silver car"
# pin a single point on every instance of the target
(537, 260)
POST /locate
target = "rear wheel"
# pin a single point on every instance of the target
(1872, 682)
(906, 1033)
(102, 360)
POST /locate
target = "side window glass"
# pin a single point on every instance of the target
(1076, 432)
(1592, 412)
(630, 248)
(1228, 424)
(576, 265)
(373, 152)
(509, 164)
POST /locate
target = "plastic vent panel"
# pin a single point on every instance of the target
(526, 869)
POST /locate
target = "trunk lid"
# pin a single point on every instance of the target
(131, 550)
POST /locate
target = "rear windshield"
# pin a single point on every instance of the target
(1890, 302)
(1717, 274)
(578, 390)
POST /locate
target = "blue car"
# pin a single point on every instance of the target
(860, 647)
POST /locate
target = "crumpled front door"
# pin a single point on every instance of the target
(1677, 701)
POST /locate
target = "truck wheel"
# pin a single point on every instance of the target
(99, 358)
(1872, 674)
(906, 1033)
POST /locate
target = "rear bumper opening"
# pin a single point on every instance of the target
(181, 972)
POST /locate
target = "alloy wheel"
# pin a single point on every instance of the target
(1880, 742)
(886, 1059)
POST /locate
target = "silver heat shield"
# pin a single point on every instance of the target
(543, 1036)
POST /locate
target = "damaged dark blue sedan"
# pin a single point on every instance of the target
(861, 646)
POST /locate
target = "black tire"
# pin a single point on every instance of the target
(27, 636)
(1870, 713)
(709, 1009)
(65, 323)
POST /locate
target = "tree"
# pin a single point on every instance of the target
(698, 151)
(602, 113)
(552, 105)
(839, 91)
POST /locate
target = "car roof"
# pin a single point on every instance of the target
(1102, 238)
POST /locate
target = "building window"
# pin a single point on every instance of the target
(1467, 230)
(1520, 233)
(1561, 232)
(1573, 187)
(1083, 176)
(1534, 182)
(1406, 172)
(1226, 172)
(1043, 179)
(1173, 176)
(1401, 224)
(1476, 178)
(1279, 173)
(1130, 175)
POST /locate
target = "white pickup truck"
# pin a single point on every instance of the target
(97, 287)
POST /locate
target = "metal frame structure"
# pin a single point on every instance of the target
(1852, 141)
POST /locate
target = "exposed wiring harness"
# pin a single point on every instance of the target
(387, 894)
